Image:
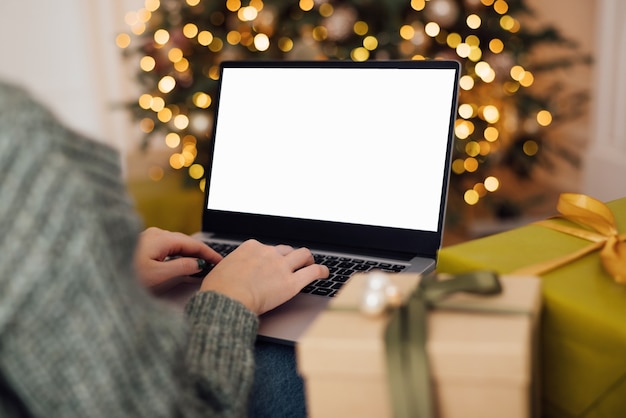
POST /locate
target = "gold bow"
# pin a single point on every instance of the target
(593, 221)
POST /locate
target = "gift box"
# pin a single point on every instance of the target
(481, 362)
(583, 328)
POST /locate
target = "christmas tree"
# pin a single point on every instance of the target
(502, 119)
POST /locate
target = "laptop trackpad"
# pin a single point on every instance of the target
(287, 323)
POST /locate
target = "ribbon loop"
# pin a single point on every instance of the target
(588, 215)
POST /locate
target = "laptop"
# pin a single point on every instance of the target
(370, 141)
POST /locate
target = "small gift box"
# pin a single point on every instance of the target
(581, 260)
(478, 352)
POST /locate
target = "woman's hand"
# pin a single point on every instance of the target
(162, 258)
(262, 276)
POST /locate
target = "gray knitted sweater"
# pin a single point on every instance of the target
(78, 336)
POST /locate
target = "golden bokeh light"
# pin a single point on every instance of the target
(156, 173)
(370, 43)
(359, 54)
(496, 46)
(360, 28)
(181, 121)
(458, 166)
(261, 42)
(166, 84)
(190, 30)
(491, 134)
(544, 118)
(466, 82)
(165, 115)
(306, 5)
(492, 184)
(172, 140)
(466, 111)
(196, 171)
(471, 197)
(122, 40)
(326, 9)
(161, 36)
(285, 44)
(205, 38)
(432, 29)
(501, 7)
(418, 5)
(147, 63)
(473, 21)
(152, 5)
(490, 113)
(201, 100)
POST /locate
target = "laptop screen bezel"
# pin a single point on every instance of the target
(324, 234)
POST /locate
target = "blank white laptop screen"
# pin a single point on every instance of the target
(322, 144)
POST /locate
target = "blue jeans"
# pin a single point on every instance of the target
(278, 390)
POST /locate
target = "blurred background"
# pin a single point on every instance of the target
(540, 110)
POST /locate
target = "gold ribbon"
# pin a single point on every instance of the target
(592, 220)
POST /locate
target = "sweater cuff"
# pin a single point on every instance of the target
(216, 308)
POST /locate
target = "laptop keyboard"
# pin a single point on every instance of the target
(341, 268)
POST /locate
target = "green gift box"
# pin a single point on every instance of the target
(583, 327)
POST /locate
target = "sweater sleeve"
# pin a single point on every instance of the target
(78, 336)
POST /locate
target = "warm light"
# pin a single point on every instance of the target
(205, 38)
(164, 115)
(407, 32)
(418, 4)
(359, 54)
(360, 28)
(172, 140)
(261, 42)
(463, 50)
(472, 148)
(453, 40)
(122, 40)
(157, 104)
(147, 63)
(491, 134)
(487, 2)
(182, 65)
(517, 72)
(466, 82)
(161, 36)
(145, 101)
(233, 5)
(196, 171)
(432, 29)
(528, 79)
(247, 14)
(370, 43)
(458, 166)
(466, 111)
(177, 161)
(320, 33)
(471, 197)
(496, 46)
(181, 122)
(175, 54)
(491, 113)
(473, 21)
(167, 84)
(193, 2)
(480, 189)
(544, 118)
(190, 30)
(285, 44)
(326, 9)
(307, 5)
(152, 5)
(492, 184)
(501, 7)
(216, 45)
(233, 37)
(202, 100)
(507, 22)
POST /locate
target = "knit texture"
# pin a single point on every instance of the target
(78, 336)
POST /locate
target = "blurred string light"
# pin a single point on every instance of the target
(179, 44)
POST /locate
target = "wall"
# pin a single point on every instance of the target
(605, 164)
(63, 52)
